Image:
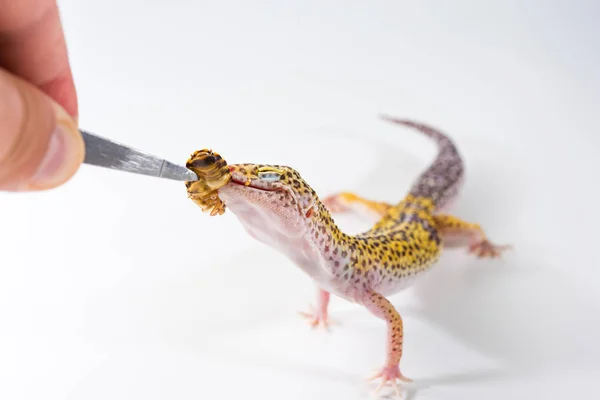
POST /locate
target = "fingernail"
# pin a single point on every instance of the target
(59, 163)
(64, 155)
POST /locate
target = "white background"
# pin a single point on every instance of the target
(117, 286)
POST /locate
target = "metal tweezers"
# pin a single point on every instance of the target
(105, 153)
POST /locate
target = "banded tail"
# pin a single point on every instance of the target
(442, 180)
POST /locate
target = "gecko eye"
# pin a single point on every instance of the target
(268, 174)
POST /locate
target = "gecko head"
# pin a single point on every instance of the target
(270, 197)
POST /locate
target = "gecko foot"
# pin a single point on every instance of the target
(334, 204)
(315, 319)
(485, 249)
(389, 374)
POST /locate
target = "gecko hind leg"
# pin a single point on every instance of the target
(459, 233)
(319, 315)
(344, 202)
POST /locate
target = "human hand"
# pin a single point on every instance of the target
(40, 145)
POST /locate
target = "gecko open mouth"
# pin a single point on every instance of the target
(257, 185)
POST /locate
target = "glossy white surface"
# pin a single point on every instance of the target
(118, 287)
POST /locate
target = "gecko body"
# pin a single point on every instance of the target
(280, 209)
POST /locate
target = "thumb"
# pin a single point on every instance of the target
(40, 145)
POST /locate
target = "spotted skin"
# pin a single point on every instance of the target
(440, 182)
(459, 233)
(278, 208)
(382, 308)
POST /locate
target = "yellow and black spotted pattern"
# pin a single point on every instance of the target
(403, 242)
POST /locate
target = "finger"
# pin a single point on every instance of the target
(32, 46)
(40, 145)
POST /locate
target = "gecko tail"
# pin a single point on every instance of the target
(442, 180)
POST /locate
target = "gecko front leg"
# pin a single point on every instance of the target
(344, 202)
(382, 308)
(319, 315)
(459, 233)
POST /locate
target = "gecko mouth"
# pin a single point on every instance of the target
(256, 185)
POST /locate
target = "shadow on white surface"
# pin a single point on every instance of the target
(522, 313)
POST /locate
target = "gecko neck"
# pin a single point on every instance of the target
(331, 242)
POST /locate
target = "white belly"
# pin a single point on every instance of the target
(276, 230)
